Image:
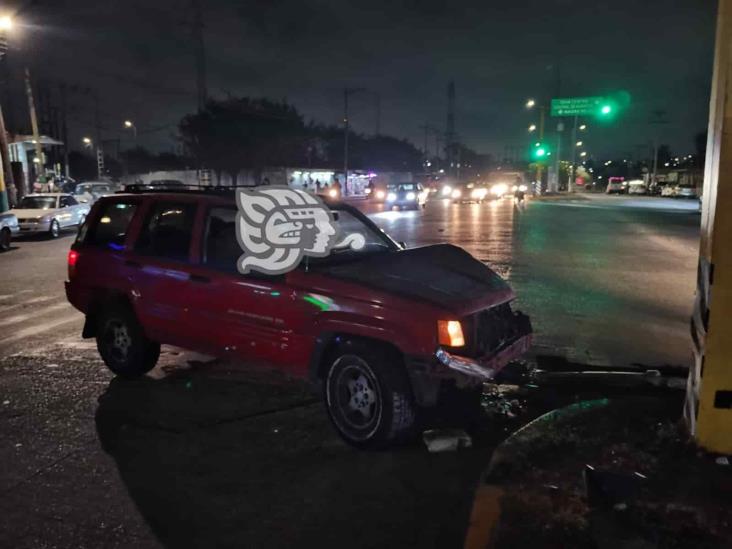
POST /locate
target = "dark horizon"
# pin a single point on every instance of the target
(141, 59)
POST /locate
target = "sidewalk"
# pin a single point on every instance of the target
(604, 473)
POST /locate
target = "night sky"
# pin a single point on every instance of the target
(139, 54)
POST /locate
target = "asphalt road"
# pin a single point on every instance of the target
(205, 453)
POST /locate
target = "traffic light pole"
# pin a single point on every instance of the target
(541, 140)
(573, 167)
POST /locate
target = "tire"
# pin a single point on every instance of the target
(368, 397)
(5, 238)
(54, 230)
(122, 344)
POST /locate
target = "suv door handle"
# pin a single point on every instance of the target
(199, 278)
(131, 263)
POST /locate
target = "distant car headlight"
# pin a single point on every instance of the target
(446, 190)
(522, 188)
(368, 190)
(411, 196)
(380, 195)
(391, 197)
(457, 193)
(450, 333)
(499, 189)
(478, 194)
(333, 193)
(514, 188)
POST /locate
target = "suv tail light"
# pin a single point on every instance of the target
(71, 260)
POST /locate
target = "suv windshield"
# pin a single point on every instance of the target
(37, 202)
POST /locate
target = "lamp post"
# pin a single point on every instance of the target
(6, 176)
(131, 126)
(530, 104)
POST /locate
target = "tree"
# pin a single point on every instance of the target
(238, 133)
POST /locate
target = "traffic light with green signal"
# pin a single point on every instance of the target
(540, 152)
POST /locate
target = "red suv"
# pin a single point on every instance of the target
(381, 329)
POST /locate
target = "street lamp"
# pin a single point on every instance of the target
(6, 23)
(579, 143)
(583, 153)
(583, 127)
(530, 103)
(130, 125)
(87, 141)
(532, 128)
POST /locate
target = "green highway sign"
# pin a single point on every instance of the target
(577, 106)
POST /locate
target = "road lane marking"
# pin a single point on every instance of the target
(34, 314)
(9, 296)
(33, 301)
(39, 329)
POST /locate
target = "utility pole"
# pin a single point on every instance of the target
(34, 125)
(200, 54)
(657, 117)
(450, 127)
(377, 96)
(346, 91)
(64, 128)
(6, 174)
(98, 131)
(573, 167)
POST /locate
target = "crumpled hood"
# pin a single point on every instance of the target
(442, 274)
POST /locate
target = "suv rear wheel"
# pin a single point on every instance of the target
(368, 397)
(5, 239)
(123, 345)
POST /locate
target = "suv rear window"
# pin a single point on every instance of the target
(168, 231)
(111, 227)
(222, 249)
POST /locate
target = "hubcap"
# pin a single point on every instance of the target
(354, 398)
(119, 340)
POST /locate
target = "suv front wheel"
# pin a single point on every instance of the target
(368, 396)
(123, 345)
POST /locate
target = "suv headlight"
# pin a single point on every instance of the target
(391, 197)
(450, 333)
(411, 196)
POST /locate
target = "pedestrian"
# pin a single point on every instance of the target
(317, 186)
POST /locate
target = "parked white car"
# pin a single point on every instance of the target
(49, 213)
(8, 228)
(685, 191)
(637, 186)
(90, 191)
(669, 191)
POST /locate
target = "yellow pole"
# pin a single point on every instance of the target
(708, 409)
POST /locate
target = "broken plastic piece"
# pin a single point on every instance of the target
(446, 440)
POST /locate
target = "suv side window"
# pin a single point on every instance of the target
(111, 226)
(66, 201)
(168, 231)
(221, 248)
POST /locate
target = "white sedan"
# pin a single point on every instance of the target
(49, 213)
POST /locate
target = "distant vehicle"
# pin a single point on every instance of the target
(382, 329)
(637, 186)
(49, 213)
(669, 191)
(406, 195)
(686, 191)
(470, 192)
(616, 185)
(90, 191)
(8, 227)
(376, 192)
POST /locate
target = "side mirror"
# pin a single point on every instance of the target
(402, 244)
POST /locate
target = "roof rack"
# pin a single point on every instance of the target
(140, 188)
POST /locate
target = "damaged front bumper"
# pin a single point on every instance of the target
(484, 369)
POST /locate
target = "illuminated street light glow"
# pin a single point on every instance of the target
(128, 124)
(532, 127)
(87, 141)
(583, 153)
(530, 103)
(6, 23)
(579, 143)
(583, 127)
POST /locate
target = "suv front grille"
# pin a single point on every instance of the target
(495, 328)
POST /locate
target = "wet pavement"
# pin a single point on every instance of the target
(205, 453)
